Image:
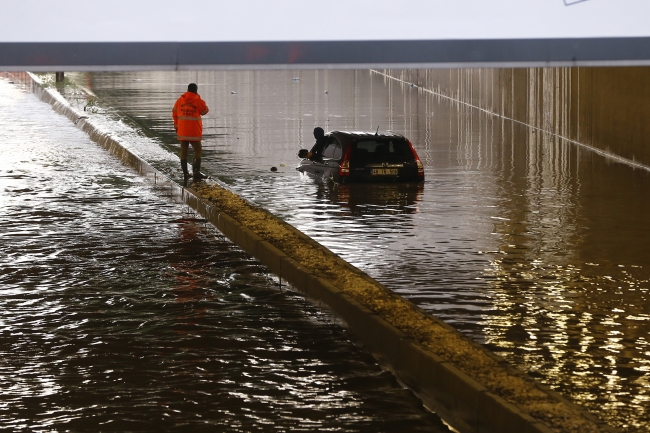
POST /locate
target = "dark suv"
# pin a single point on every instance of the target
(365, 157)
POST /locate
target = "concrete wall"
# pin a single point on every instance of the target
(604, 108)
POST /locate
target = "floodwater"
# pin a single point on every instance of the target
(121, 311)
(533, 246)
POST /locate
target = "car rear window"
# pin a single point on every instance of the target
(381, 150)
(333, 150)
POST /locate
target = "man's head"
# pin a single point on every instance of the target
(318, 132)
(192, 88)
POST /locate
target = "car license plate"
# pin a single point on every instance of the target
(384, 172)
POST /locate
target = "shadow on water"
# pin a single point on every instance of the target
(372, 199)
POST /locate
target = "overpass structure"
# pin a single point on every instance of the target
(166, 34)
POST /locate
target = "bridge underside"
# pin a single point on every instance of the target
(102, 56)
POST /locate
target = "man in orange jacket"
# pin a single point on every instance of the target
(187, 113)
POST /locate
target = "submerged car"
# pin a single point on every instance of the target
(364, 157)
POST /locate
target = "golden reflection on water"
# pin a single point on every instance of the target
(579, 326)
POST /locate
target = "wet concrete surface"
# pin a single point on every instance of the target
(121, 311)
(533, 246)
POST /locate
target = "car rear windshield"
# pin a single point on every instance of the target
(369, 151)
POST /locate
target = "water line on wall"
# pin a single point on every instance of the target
(600, 152)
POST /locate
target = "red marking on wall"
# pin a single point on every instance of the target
(295, 53)
(256, 52)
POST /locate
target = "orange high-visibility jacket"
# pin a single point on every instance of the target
(187, 116)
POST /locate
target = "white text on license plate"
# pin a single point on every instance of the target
(384, 171)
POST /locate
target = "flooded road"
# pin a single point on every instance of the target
(123, 312)
(533, 246)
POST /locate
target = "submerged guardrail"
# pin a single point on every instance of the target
(426, 354)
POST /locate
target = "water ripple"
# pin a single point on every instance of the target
(122, 312)
(528, 244)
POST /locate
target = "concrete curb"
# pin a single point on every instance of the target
(461, 401)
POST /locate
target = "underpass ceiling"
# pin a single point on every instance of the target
(255, 34)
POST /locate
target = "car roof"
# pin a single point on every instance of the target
(370, 135)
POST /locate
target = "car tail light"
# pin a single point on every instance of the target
(344, 167)
(420, 167)
(417, 160)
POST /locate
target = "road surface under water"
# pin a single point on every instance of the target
(533, 246)
(120, 311)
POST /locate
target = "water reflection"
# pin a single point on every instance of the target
(555, 299)
(120, 311)
(528, 244)
(377, 199)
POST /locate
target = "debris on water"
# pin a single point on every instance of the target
(274, 169)
(20, 190)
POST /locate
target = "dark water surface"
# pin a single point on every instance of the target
(120, 311)
(535, 247)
